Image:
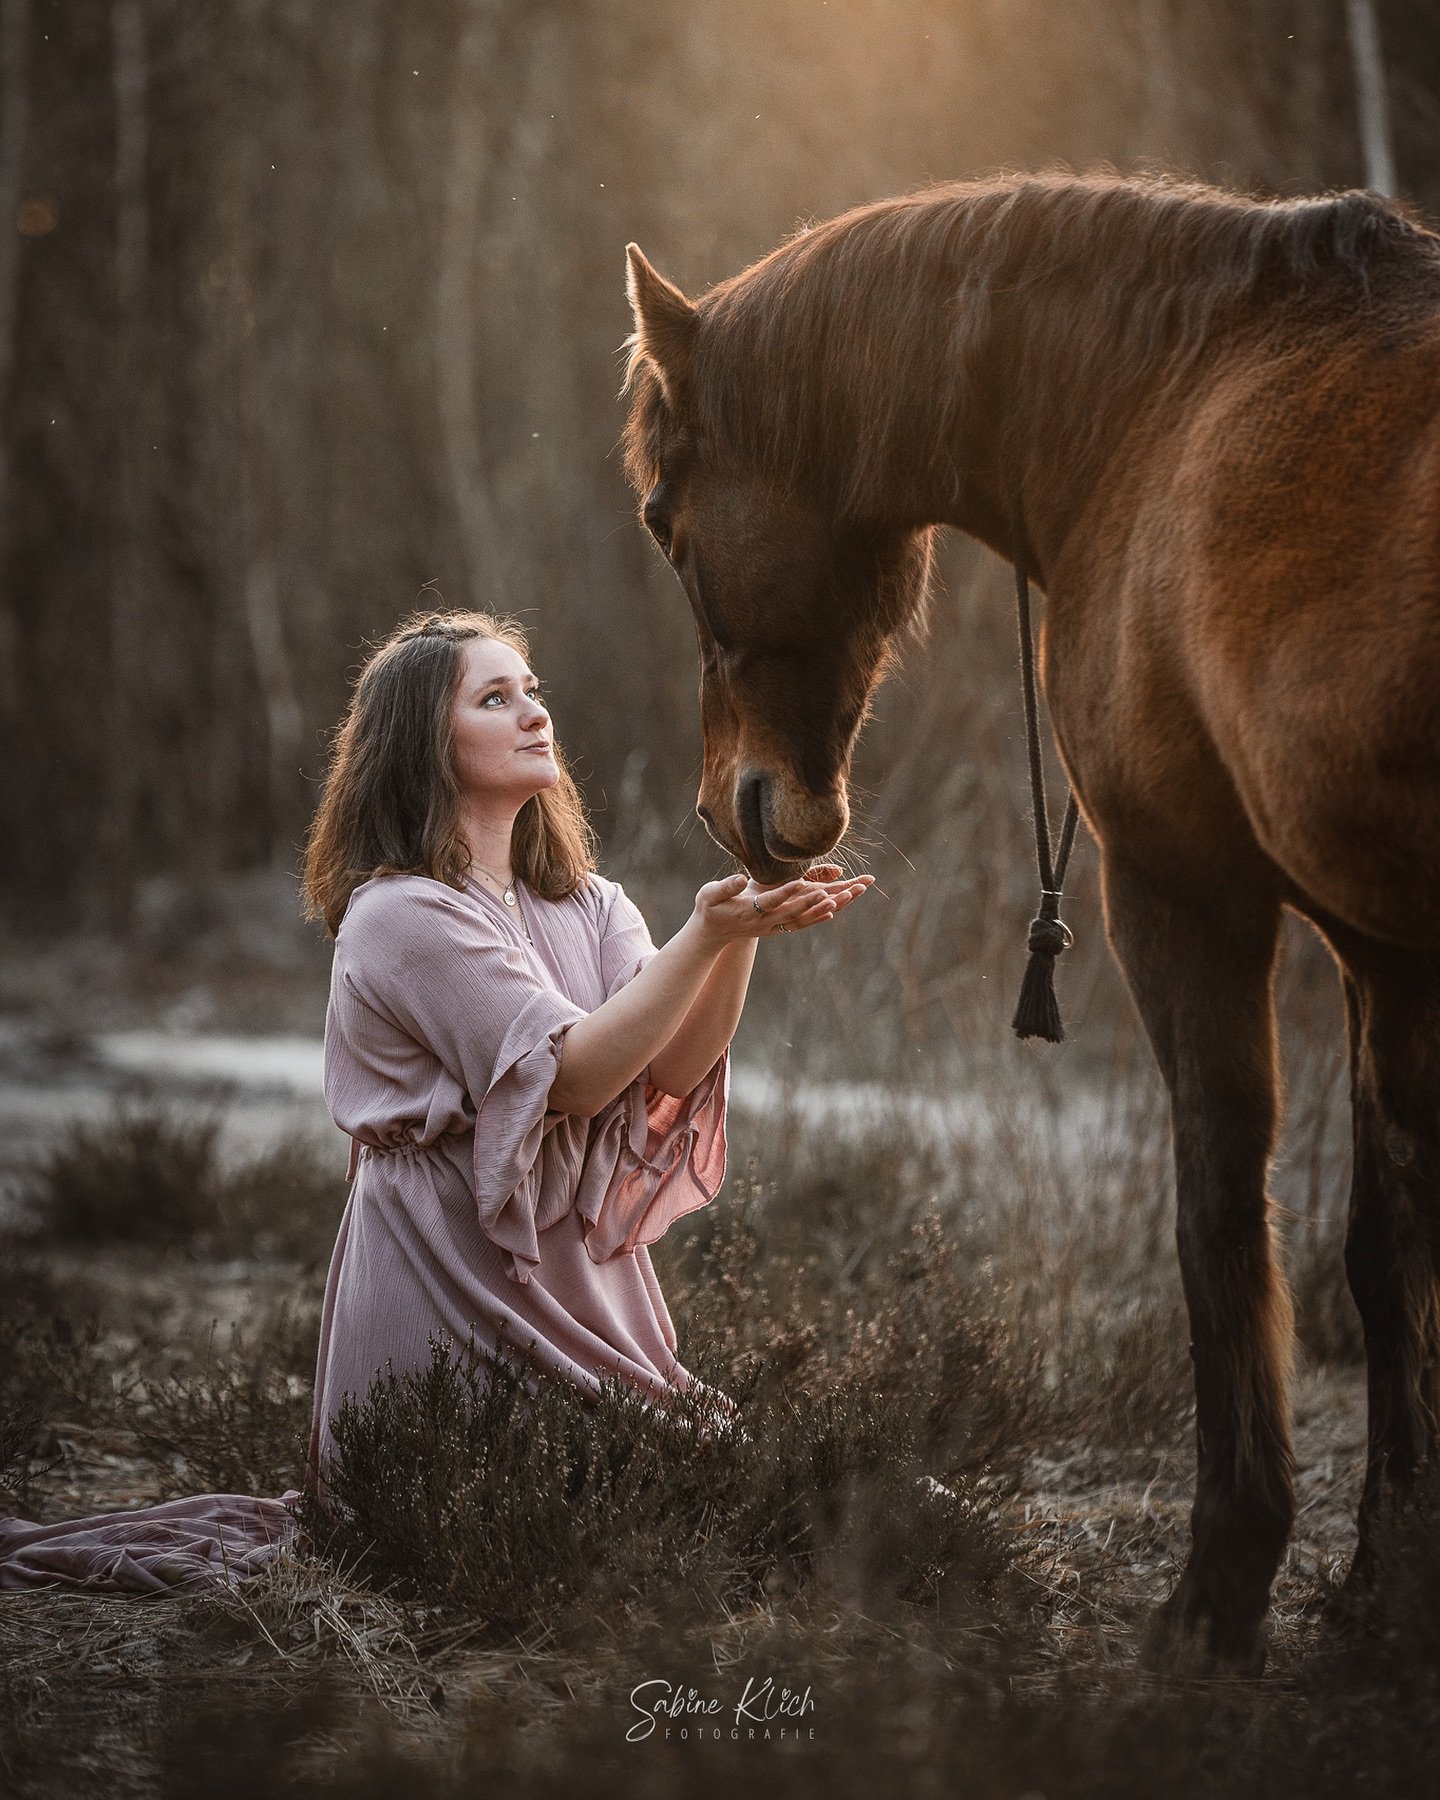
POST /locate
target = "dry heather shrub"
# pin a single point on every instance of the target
(925, 1327)
(1006, 1324)
(143, 1175)
(153, 1175)
(927, 1333)
(54, 1369)
(285, 1202)
(240, 1422)
(472, 1483)
(1126, 1381)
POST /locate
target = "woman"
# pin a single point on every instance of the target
(533, 1092)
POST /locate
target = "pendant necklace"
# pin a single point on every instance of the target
(508, 895)
(509, 892)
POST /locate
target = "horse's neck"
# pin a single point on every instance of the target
(1055, 391)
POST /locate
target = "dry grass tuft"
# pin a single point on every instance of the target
(150, 1174)
(239, 1422)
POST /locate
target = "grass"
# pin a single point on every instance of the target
(504, 1563)
(154, 1175)
(239, 1421)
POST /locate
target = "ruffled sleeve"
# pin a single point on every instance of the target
(654, 1156)
(440, 971)
(449, 977)
(515, 1199)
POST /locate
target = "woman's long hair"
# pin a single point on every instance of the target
(391, 803)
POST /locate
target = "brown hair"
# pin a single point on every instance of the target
(391, 804)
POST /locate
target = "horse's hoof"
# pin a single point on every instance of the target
(1182, 1645)
(1349, 1606)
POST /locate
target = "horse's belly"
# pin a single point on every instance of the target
(1329, 724)
(1309, 766)
(1352, 820)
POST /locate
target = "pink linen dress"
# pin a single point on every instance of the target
(473, 1210)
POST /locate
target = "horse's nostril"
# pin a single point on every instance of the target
(750, 811)
(704, 814)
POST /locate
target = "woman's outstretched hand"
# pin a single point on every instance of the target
(738, 907)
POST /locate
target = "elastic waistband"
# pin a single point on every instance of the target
(405, 1148)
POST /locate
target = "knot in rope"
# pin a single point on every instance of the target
(1049, 936)
(1038, 1014)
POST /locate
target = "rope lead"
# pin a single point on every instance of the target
(1038, 1012)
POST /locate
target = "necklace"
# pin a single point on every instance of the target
(507, 887)
(508, 894)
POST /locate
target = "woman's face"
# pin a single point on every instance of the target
(504, 744)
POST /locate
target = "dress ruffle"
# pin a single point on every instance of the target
(664, 1156)
(512, 1121)
(650, 1157)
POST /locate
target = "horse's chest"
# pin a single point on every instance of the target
(1126, 720)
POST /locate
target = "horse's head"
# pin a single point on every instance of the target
(796, 604)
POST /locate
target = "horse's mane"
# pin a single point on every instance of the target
(1122, 278)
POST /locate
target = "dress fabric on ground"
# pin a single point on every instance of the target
(182, 1544)
(474, 1212)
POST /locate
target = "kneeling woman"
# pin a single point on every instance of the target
(532, 1090)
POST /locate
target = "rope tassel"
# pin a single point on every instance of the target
(1038, 1011)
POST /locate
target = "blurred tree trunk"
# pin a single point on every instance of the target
(123, 767)
(14, 95)
(1163, 82)
(1307, 91)
(1371, 106)
(476, 80)
(262, 411)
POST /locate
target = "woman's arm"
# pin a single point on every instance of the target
(709, 1025)
(604, 1052)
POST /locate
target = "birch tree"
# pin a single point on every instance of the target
(1371, 104)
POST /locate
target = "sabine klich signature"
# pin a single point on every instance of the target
(764, 1711)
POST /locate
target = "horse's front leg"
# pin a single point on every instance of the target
(1200, 966)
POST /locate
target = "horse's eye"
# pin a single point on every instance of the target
(659, 528)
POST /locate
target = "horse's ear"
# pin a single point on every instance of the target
(665, 320)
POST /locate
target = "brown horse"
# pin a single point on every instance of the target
(1211, 425)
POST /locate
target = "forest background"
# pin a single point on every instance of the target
(311, 315)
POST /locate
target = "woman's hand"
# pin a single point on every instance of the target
(738, 907)
(681, 1008)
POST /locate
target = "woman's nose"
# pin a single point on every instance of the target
(537, 714)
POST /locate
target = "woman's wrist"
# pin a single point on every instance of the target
(703, 936)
